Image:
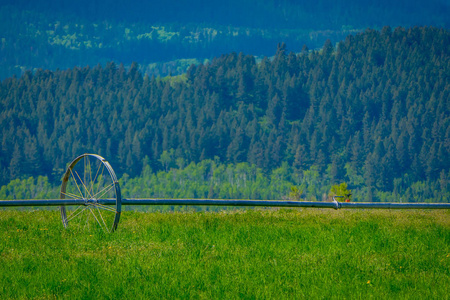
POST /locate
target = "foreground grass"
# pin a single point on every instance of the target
(309, 253)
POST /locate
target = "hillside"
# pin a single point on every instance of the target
(166, 36)
(372, 111)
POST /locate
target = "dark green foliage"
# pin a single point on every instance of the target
(372, 112)
(165, 37)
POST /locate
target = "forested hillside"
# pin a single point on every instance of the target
(372, 111)
(166, 36)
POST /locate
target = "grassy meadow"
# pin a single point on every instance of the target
(249, 254)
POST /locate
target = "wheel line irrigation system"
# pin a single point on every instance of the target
(90, 192)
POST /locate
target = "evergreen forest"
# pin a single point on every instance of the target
(165, 37)
(372, 110)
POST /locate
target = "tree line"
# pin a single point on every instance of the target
(371, 111)
(212, 179)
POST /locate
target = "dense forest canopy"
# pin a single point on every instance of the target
(165, 37)
(372, 111)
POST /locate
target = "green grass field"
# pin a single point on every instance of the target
(252, 254)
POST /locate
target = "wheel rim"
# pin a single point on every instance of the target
(91, 179)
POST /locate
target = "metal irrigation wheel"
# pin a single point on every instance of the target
(90, 178)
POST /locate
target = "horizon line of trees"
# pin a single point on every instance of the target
(212, 179)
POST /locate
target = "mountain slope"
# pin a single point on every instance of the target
(372, 111)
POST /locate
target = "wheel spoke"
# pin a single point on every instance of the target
(99, 182)
(101, 216)
(104, 207)
(95, 217)
(104, 191)
(76, 183)
(100, 166)
(85, 188)
(72, 215)
(73, 212)
(87, 166)
(72, 195)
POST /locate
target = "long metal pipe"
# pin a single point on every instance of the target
(47, 202)
(218, 202)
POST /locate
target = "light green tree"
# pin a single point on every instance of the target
(296, 193)
(341, 190)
